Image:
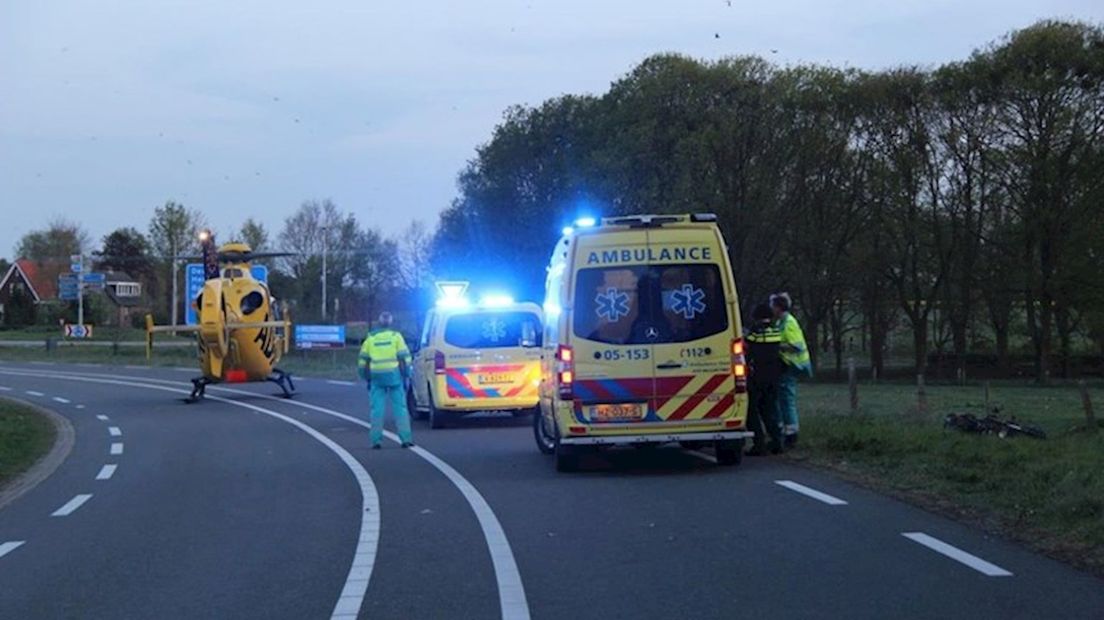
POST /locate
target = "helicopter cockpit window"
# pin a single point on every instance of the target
(251, 302)
(231, 273)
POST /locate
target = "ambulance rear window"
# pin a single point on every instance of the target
(489, 330)
(649, 304)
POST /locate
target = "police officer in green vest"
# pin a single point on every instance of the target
(384, 362)
(764, 357)
(795, 356)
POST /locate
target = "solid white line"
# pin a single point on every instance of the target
(4, 388)
(43, 363)
(106, 472)
(8, 547)
(34, 393)
(136, 367)
(72, 505)
(813, 493)
(182, 369)
(61, 400)
(973, 561)
(364, 557)
(102, 417)
(336, 382)
(80, 406)
(114, 431)
(701, 455)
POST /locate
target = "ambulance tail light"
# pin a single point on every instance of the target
(439, 363)
(739, 366)
(565, 371)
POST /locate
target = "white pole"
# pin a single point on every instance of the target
(80, 292)
(172, 262)
(324, 248)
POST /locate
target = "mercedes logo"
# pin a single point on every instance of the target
(652, 333)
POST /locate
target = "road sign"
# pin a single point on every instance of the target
(94, 278)
(76, 264)
(319, 336)
(193, 283)
(67, 287)
(78, 331)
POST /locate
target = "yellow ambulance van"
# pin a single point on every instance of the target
(642, 339)
(476, 357)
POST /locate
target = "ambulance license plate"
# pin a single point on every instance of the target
(495, 378)
(617, 413)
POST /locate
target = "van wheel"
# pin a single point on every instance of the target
(437, 418)
(546, 443)
(412, 405)
(730, 452)
(567, 458)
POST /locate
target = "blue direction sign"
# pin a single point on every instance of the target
(94, 278)
(67, 287)
(193, 283)
(319, 336)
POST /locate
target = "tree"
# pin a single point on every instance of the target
(254, 234)
(126, 250)
(55, 244)
(173, 232)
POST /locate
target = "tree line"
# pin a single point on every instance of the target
(364, 269)
(960, 205)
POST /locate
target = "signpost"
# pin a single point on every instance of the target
(94, 281)
(319, 336)
(78, 331)
(194, 277)
(76, 265)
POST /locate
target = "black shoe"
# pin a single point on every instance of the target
(775, 448)
(408, 444)
(756, 451)
(791, 440)
(376, 446)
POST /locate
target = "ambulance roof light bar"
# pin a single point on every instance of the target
(451, 294)
(496, 300)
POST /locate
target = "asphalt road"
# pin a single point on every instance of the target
(250, 506)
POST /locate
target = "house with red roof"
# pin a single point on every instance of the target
(26, 282)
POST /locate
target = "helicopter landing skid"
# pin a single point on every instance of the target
(283, 379)
(199, 389)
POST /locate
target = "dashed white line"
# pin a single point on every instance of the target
(114, 431)
(116, 449)
(64, 401)
(136, 367)
(336, 382)
(80, 406)
(973, 561)
(106, 472)
(33, 393)
(702, 455)
(8, 547)
(72, 505)
(102, 417)
(4, 388)
(813, 493)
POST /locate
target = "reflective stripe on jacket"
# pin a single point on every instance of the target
(382, 351)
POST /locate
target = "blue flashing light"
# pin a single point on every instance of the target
(586, 222)
(552, 309)
(496, 300)
(568, 230)
(453, 302)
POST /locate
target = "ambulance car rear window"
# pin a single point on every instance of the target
(489, 330)
(649, 304)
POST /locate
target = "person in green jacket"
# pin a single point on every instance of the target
(795, 357)
(384, 362)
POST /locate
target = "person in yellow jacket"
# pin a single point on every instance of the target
(384, 362)
(795, 357)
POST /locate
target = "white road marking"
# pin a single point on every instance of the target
(80, 406)
(136, 367)
(336, 382)
(72, 505)
(106, 472)
(114, 431)
(182, 369)
(61, 400)
(701, 455)
(364, 557)
(8, 547)
(102, 417)
(973, 561)
(813, 493)
(4, 388)
(33, 393)
(43, 363)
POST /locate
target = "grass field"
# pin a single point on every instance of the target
(1048, 494)
(24, 437)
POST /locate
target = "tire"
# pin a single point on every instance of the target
(730, 453)
(437, 419)
(412, 405)
(567, 458)
(545, 443)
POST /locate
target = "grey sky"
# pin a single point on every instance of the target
(242, 108)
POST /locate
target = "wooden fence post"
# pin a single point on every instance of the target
(921, 394)
(1086, 403)
(853, 385)
(987, 399)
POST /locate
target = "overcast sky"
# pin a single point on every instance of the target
(239, 108)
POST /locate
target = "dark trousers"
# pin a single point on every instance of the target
(763, 414)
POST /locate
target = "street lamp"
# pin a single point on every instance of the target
(325, 237)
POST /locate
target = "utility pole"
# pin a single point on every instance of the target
(80, 289)
(172, 262)
(324, 249)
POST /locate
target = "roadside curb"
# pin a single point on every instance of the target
(45, 466)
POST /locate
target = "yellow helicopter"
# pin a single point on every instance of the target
(240, 334)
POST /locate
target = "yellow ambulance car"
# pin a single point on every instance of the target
(477, 357)
(642, 339)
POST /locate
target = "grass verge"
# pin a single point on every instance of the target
(1047, 494)
(25, 435)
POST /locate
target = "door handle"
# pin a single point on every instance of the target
(669, 365)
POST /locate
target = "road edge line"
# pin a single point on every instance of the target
(44, 467)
